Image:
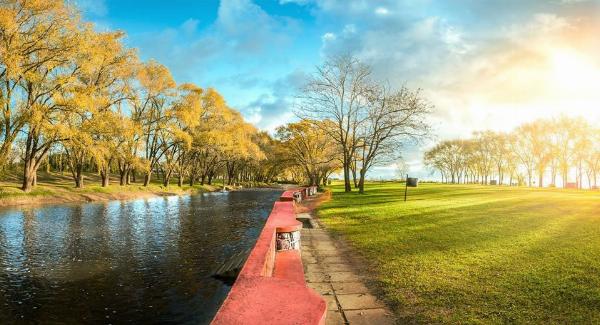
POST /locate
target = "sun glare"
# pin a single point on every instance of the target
(575, 78)
(573, 71)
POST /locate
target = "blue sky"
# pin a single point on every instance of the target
(484, 64)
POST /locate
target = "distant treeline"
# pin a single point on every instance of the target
(540, 152)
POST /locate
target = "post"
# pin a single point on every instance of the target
(406, 188)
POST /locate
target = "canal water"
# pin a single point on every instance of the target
(138, 262)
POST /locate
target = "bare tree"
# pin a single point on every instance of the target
(338, 92)
(402, 168)
(392, 117)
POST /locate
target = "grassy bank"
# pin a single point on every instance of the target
(477, 254)
(59, 188)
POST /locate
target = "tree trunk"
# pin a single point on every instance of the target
(167, 178)
(180, 181)
(76, 172)
(122, 175)
(105, 178)
(346, 163)
(28, 176)
(230, 168)
(353, 170)
(146, 178)
(580, 177)
(78, 178)
(361, 182)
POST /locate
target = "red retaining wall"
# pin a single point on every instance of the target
(270, 288)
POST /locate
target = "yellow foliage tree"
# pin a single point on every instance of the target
(103, 69)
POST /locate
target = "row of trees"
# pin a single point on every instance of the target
(77, 99)
(539, 151)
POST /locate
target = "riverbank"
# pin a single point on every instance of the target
(476, 254)
(55, 188)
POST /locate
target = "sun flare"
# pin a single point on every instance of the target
(574, 73)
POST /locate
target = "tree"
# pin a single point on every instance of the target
(592, 160)
(309, 148)
(402, 168)
(483, 154)
(150, 109)
(186, 113)
(565, 130)
(392, 117)
(38, 38)
(103, 68)
(523, 144)
(500, 152)
(338, 92)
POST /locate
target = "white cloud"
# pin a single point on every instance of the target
(328, 37)
(547, 23)
(251, 29)
(242, 32)
(381, 11)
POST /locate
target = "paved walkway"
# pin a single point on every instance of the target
(327, 272)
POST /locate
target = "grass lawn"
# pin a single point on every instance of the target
(60, 187)
(477, 254)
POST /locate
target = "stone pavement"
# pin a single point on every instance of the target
(328, 272)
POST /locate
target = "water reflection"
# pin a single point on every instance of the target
(144, 261)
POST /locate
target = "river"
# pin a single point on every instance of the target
(144, 261)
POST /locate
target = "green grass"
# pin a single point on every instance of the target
(61, 187)
(14, 191)
(477, 254)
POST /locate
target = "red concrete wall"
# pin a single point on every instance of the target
(270, 288)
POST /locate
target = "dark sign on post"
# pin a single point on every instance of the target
(412, 182)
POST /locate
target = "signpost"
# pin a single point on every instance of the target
(412, 182)
(406, 188)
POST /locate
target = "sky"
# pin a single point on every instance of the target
(483, 64)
